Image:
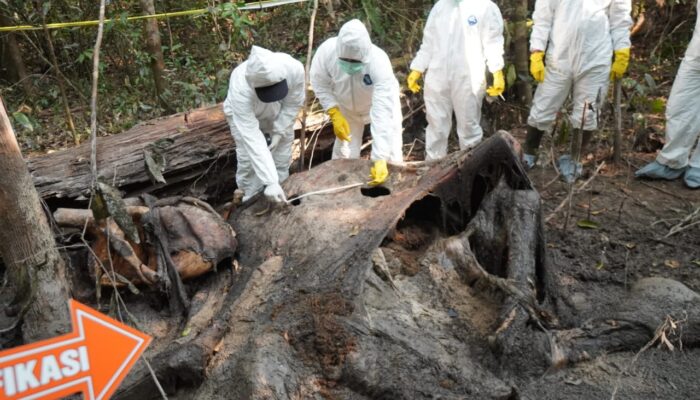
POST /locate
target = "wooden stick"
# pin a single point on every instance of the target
(580, 188)
(302, 139)
(617, 137)
(74, 217)
(93, 98)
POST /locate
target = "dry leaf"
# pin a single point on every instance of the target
(672, 264)
(355, 230)
(587, 224)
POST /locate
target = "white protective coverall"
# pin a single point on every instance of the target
(248, 117)
(370, 96)
(683, 109)
(578, 37)
(459, 41)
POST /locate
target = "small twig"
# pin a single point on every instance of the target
(411, 149)
(155, 378)
(687, 222)
(366, 145)
(326, 191)
(580, 188)
(412, 112)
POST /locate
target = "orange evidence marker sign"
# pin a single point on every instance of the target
(93, 359)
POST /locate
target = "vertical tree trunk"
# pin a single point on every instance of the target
(522, 53)
(34, 267)
(59, 79)
(15, 56)
(156, 53)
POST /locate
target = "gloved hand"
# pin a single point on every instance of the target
(499, 84)
(619, 67)
(341, 128)
(275, 193)
(274, 141)
(537, 65)
(378, 173)
(412, 81)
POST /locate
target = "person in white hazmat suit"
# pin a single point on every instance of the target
(682, 122)
(460, 40)
(580, 39)
(265, 95)
(354, 81)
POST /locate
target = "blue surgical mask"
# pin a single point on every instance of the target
(350, 68)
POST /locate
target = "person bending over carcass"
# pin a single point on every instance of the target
(354, 81)
(265, 95)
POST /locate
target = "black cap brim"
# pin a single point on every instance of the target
(272, 93)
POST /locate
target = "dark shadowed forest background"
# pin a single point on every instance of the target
(45, 75)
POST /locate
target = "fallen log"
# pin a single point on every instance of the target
(200, 160)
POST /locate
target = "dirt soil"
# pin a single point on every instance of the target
(596, 267)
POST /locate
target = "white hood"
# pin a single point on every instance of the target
(353, 41)
(262, 70)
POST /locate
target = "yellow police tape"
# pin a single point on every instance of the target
(258, 5)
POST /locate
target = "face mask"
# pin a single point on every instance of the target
(350, 68)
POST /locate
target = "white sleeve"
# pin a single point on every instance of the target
(425, 53)
(246, 124)
(321, 79)
(542, 19)
(384, 99)
(492, 38)
(620, 18)
(292, 103)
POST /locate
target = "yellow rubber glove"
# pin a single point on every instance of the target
(378, 173)
(412, 81)
(341, 128)
(499, 84)
(537, 65)
(622, 61)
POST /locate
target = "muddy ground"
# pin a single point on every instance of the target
(596, 267)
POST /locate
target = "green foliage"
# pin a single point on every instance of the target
(22, 120)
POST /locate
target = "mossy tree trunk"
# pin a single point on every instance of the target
(35, 269)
